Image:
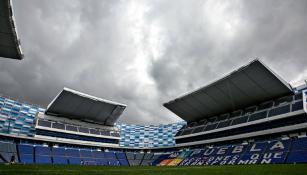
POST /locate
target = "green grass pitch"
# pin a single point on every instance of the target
(300, 169)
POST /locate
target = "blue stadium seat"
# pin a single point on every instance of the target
(101, 162)
(297, 157)
(193, 161)
(98, 154)
(278, 145)
(209, 151)
(72, 153)
(41, 150)
(89, 161)
(197, 153)
(123, 162)
(237, 149)
(86, 153)
(43, 159)
(73, 156)
(299, 144)
(221, 160)
(193, 158)
(120, 155)
(26, 158)
(250, 158)
(257, 147)
(26, 153)
(60, 160)
(25, 149)
(58, 152)
(113, 162)
(74, 160)
(109, 155)
(273, 157)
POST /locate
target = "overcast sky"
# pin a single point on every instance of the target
(145, 53)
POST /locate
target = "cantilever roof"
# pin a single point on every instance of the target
(249, 85)
(76, 105)
(9, 42)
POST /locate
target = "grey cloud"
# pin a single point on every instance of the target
(272, 30)
(144, 53)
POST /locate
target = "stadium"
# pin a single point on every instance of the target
(250, 120)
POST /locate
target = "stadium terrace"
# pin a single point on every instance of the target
(250, 116)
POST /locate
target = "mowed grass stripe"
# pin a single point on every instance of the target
(299, 169)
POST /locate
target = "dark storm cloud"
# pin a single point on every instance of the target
(144, 53)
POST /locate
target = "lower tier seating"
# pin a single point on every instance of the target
(45, 155)
(264, 152)
(292, 150)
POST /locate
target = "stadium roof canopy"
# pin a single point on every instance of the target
(76, 105)
(249, 85)
(9, 42)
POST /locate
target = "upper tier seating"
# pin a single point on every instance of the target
(274, 124)
(76, 128)
(17, 118)
(268, 109)
(75, 136)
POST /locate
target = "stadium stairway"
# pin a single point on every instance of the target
(134, 159)
(147, 159)
(141, 159)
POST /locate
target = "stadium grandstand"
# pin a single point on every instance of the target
(9, 40)
(250, 116)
